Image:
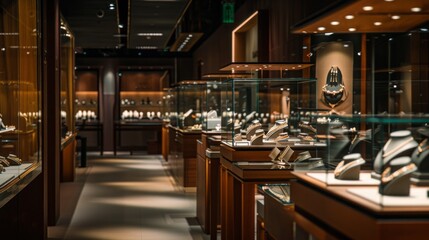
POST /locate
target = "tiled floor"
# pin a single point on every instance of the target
(127, 197)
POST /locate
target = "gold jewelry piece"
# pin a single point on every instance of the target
(405, 142)
(387, 176)
(276, 128)
(420, 149)
(308, 126)
(14, 160)
(281, 137)
(4, 162)
(341, 167)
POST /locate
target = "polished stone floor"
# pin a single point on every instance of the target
(126, 198)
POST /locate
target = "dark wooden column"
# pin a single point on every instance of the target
(51, 107)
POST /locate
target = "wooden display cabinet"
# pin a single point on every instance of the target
(88, 100)
(139, 111)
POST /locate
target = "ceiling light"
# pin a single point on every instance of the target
(368, 8)
(321, 28)
(352, 29)
(112, 8)
(349, 17)
(150, 34)
(147, 47)
(111, 5)
(346, 45)
(416, 9)
(424, 29)
(185, 41)
(389, 0)
(377, 23)
(396, 17)
(120, 26)
(335, 23)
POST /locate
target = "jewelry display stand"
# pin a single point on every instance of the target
(283, 137)
(281, 157)
(395, 179)
(276, 130)
(349, 167)
(251, 130)
(420, 157)
(401, 143)
(303, 156)
(257, 138)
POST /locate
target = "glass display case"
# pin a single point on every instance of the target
(189, 95)
(20, 94)
(259, 111)
(377, 157)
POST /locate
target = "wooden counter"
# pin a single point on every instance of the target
(332, 211)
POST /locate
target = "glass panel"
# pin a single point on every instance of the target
(20, 105)
(67, 81)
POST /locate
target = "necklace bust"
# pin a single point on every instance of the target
(401, 143)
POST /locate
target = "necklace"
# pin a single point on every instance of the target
(387, 176)
(341, 167)
(393, 150)
(420, 149)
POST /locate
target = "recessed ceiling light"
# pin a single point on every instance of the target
(321, 28)
(334, 23)
(416, 9)
(389, 0)
(368, 8)
(377, 23)
(352, 29)
(396, 17)
(150, 34)
(349, 17)
(329, 33)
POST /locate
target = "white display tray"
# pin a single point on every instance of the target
(418, 197)
(329, 179)
(12, 172)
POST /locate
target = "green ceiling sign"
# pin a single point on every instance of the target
(228, 12)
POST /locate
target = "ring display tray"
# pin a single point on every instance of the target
(418, 197)
(329, 179)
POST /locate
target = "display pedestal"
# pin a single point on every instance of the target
(182, 158)
(208, 168)
(238, 187)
